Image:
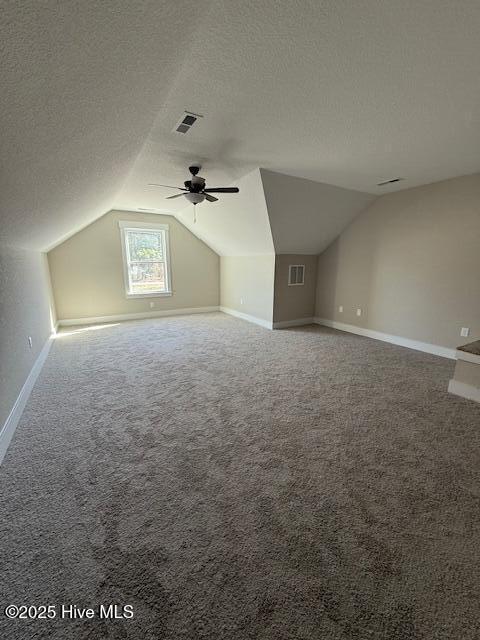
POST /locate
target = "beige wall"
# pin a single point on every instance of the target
(87, 270)
(246, 284)
(294, 302)
(411, 262)
(25, 310)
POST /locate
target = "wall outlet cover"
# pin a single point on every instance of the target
(465, 332)
(359, 312)
(340, 308)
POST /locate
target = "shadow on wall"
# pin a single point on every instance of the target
(410, 281)
(352, 291)
(327, 282)
(410, 263)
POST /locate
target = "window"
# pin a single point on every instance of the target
(146, 259)
(296, 274)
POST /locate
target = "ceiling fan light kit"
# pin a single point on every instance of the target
(194, 198)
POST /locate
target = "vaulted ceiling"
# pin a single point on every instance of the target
(342, 93)
(306, 216)
(81, 84)
(275, 213)
(236, 225)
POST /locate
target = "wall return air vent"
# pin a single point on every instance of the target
(186, 122)
(296, 274)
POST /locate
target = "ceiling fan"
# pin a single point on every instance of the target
(194, 190)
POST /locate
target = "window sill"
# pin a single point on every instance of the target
(157, 294)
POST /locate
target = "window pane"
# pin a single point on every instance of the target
(147, 277)
(145, 245)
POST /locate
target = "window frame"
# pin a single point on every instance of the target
(128, 225)
(295, 266)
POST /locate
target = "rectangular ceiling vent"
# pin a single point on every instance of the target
(381, 184)
(186, 122)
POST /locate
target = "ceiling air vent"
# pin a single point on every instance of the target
(381, 184)
(186, 122)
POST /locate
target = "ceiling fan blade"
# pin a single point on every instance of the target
(210, 198)
(153, 184)
(222, 190)
(177, 195)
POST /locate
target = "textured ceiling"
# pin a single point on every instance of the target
(81, 85)
(344, 93)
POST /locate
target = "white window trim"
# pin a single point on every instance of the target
(295, 284)
(147, 226)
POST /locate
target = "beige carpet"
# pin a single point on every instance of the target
(231, 482)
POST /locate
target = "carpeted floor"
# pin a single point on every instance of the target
(231, 482)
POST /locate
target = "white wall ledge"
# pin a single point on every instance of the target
(464, 390)
(467, 357)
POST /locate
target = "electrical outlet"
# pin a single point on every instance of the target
(359, 312)
(152, 304)
(465, 332)
(241, 300)
(30, 342)
(340, 309)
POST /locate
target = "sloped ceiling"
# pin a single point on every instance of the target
(343, 93)
(81, 85)
(306, 216)
(238, 225)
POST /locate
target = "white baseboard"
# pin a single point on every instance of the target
(11, 422)
(464, 390)
(435, 349)
(245, 316)
(298, 322)
(69, 322)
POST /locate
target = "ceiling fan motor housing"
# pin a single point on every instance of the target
(196, 184)
(198, 181)
(195, 190)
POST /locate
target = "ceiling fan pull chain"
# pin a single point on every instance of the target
(194, 214)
